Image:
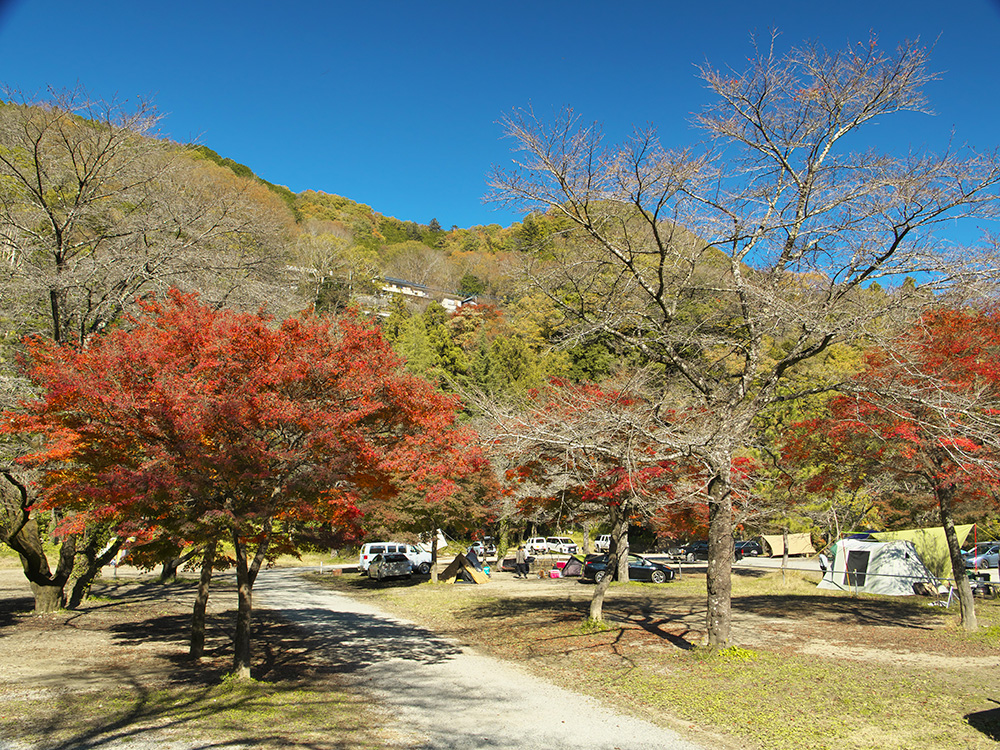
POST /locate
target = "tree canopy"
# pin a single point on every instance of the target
(215, 425)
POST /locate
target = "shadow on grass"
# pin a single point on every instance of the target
(218, 716)
(667, 619)
(902, 613)
(320, 644)
(987, 722)
(12, 609)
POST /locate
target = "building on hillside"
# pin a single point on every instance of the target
(420, 296)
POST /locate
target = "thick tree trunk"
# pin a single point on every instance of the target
(197, 648)
(169, 568)
(96, 560)
(49, 588)
(617, 552)
(966, 601)
(20, 533)
(597, 602)
(720, 553)
(503, 539)
(586, 538)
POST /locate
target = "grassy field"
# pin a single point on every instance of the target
(808, 669)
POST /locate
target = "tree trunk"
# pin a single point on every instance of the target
(21, 535)
(434, 556)
(720, 553)
(245, 577)
(96, 560)
(619, 540)
(597, 602)
(503, 539)
(168, 571)
(586, 538)
(201, 602)
(966, 601)
(244, 591)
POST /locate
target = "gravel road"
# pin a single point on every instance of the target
(445, 696)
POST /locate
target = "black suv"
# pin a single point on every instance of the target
(695, 551)
(748, 549)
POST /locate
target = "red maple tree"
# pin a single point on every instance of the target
(215, 427)
(924, 409)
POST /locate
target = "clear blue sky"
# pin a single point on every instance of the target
(395, 104)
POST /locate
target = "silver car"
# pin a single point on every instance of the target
(390, 565)
(983, 556)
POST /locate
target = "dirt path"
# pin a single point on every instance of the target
(447, 697)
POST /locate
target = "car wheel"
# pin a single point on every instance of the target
(600, 576)
(658, 576)
(424, 568)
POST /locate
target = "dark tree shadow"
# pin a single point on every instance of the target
(903, 613)
(987, 722)
(12, 609)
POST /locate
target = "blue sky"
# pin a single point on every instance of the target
(395, 104)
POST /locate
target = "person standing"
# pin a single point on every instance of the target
(521, 563)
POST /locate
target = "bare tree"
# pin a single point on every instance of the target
(733, 264)
(595, 448)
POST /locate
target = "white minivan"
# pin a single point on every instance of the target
(419, 558)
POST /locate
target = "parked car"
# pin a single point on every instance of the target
(536, 545)
(418, 556)
(695, 551)
(983, 556)
(603, 543)
(562, 545)
(671, 547)
(748, 549)
(639, 569)
(390, 565)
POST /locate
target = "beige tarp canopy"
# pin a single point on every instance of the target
(798, 544)
(930, 544)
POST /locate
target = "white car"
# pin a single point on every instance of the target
(419, 558)
(561, 544)
(537, 545)
(603, 543)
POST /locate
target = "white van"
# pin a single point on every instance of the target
(419, 558)
(603, 543)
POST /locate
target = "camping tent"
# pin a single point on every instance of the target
(876, 568)
(930, 544)
(573, 567)
(798, 544)
(462, 568)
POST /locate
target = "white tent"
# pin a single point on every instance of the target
(876, 568)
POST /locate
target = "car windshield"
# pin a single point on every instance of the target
(394, 557)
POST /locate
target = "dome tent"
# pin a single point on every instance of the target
(876, 568)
